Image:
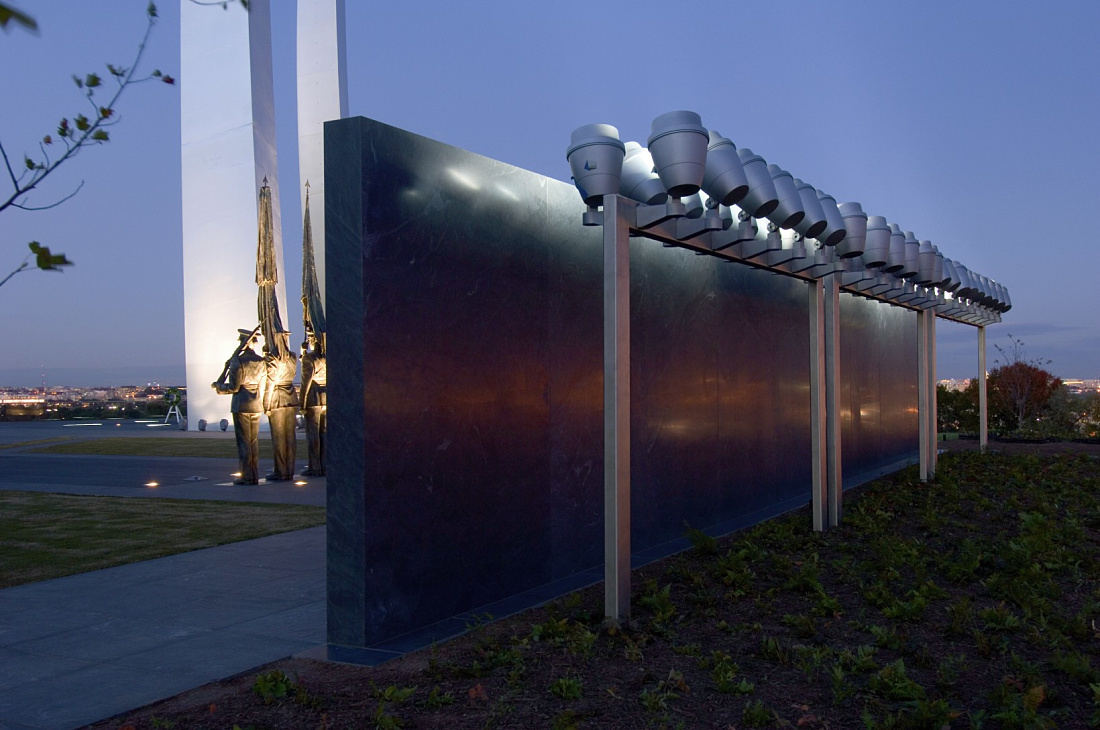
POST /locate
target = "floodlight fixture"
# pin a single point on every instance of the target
(814, 223)
(966, 284)
(834, 231)
(678, 144)
(925, 264)
(877, 244)
(895, 260)
(912, 256)
(595, 156)
(724, 178)
(950, 276)
(855, 226)
(639, 181)
(938, 266)
(761, 199)
(789, 212)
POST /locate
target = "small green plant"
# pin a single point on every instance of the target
(567, 688)
(438, 698)
(393, 693)
(384, 721)
(757, 714)
(1000, 618)
(805, 627)
(553, 630)
(772, 649)
(700, 541)
(657, 699)
(960, 617)
(1075, 665)
(842, 688)
(568, 720)
(273, 685)
(659, 600)
(947, 673)
(892, 683)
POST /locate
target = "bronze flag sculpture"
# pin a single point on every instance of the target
(314, 371)
(280, 400)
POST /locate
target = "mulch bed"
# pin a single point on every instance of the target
(970, 601)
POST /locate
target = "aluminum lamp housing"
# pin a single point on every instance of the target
(912, 256)
(639, 182)
(678, 144)
(724, 178)
(835, 229)
(895, 261)
(877, 245)
(595, 157)
(855, 225)
(814, 223)
(788, 213)
(761, 199)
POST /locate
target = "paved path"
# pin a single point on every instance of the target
(79, 649)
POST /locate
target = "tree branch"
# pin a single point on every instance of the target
(86, 137)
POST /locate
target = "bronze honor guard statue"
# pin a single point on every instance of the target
(280, 400)
(314, 371)
(244, 377)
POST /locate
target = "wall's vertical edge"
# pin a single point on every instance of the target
(227, 139)
(345, 221)
(322, 97)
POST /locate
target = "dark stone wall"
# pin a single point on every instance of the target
(465, 346)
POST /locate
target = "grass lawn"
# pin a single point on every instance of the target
(51, 535)
(225, 448)
(972, 601)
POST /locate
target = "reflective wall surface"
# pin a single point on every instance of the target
(465, 345)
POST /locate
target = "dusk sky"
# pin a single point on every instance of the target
(972, 124)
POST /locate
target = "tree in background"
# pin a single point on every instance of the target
(957, 410)
(72, 135)
(1020, 390)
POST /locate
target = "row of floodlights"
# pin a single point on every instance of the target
(684, 157)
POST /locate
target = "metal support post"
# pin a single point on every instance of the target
(983, 403)
(933, 413)
(819, 468)
(616, 407)
(834, 481)
(923, 396)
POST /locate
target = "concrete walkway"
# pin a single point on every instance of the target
(80, 649)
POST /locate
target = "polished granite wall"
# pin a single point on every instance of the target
(465, 346)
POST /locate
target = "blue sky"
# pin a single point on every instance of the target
(972, 124)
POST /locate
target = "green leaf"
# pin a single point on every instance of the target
(100, 135)
(29, 163)
(45, 260)
(9, 14)
(77, 80)
(151, 11)
(82, 123)
(105, 112)
(91, 80)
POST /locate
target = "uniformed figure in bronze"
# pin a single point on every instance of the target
(281, 404)
(244, 377)
(314, 402)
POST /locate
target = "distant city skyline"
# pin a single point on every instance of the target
(928, 114)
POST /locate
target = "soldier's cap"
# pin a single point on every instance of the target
(245, 334)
